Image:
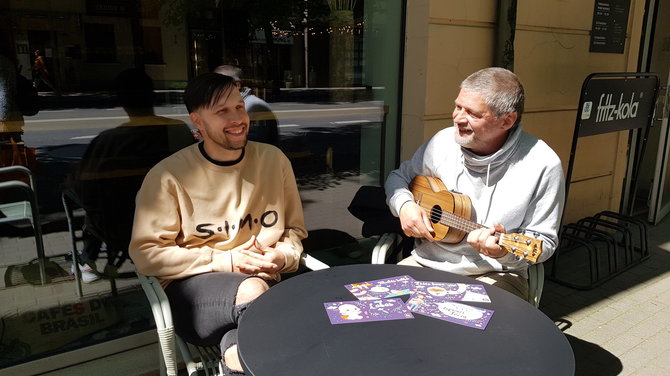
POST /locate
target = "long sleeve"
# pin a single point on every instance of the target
(543, 218)
(294, 228)
(156, 229)
(192, 213)
(398, 180)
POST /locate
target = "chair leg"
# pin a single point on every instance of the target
(77, 272)
(73, 239)
(161, 362)
(39, 243)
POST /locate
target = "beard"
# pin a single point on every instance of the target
(464, 140)
(231, 145)
(229, 142)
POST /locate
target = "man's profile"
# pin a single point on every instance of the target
(514, 182)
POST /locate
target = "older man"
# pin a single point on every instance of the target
(514, 182)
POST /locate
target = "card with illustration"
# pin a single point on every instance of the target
(382, 288)
(442, 291)
(362, 311)
(456, 313)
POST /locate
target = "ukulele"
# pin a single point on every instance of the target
(449, 211)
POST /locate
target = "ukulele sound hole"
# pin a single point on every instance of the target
(435, 214)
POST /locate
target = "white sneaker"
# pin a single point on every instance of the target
(88, 275)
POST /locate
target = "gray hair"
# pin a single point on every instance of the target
(499, 88)
(230, 71)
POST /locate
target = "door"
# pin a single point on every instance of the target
(651, 195)
(660, 194)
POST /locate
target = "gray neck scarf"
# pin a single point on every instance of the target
(483, 163)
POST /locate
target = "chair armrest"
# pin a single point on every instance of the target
(18, 185)
(160, 308)
(535, 283)
(384, 244)
(312, 263)
(22, 169)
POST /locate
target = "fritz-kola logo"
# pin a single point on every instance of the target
(608, 110)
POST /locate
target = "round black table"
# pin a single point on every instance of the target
(286, 331)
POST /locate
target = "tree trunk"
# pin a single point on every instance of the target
(341, 53)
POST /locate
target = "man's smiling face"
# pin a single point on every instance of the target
(477, 128)
(224, 126)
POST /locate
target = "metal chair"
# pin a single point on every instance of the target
(23, 210)
(535, 283)
(196, 358)
(75, 212)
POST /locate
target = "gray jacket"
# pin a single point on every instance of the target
(520, 186)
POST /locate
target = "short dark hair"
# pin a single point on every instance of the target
(206, 90)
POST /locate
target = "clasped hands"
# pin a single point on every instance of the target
(255, 258)
(415, 223)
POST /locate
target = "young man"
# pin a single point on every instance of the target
(218, 220)
(513, 179)
(264, 127)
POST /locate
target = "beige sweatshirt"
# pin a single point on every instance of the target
(191, 211)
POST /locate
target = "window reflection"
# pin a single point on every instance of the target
(328, 72)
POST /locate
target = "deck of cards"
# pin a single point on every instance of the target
(441, 300)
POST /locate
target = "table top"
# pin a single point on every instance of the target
(286, 331)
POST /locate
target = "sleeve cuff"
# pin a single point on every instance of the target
(291, 258)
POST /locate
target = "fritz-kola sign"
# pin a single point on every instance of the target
(612, 104)
(609, 110)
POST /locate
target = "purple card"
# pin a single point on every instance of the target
(360, 311)
(382, 288)
(456, 313)
(445, 291)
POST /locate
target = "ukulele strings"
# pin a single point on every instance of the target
(452, 220)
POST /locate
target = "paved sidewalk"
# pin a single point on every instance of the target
(621, 327)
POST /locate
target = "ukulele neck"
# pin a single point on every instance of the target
(459, 223)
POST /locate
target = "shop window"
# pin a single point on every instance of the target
(329, 72)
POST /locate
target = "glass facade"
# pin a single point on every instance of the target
(110, 76)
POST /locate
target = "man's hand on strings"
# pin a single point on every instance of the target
(484, 241)
(415, 222)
